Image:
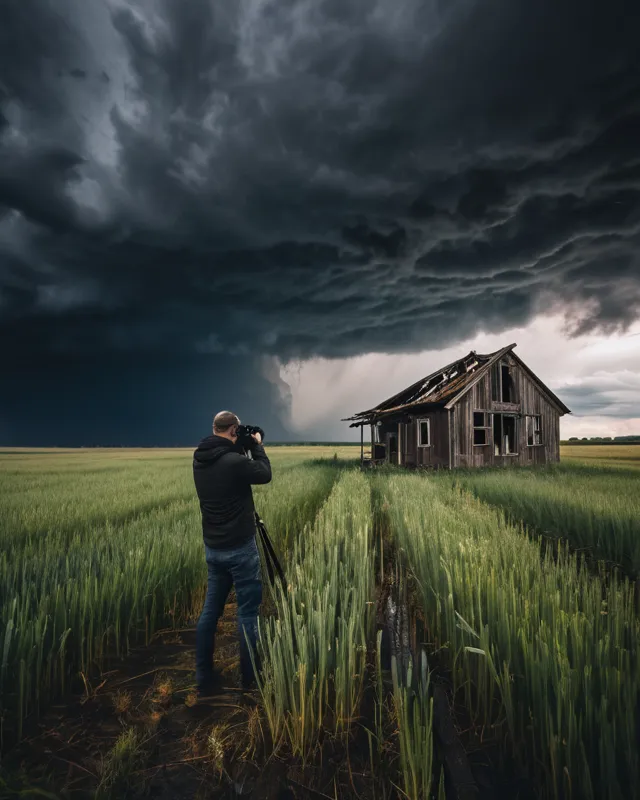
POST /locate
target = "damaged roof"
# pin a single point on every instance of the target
(443, 387)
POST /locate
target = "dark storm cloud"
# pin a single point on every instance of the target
(607, 395)
(155, 401)
(313, 178)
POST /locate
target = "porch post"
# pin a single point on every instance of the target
(361, 445)
(372, 450)
(399, 444)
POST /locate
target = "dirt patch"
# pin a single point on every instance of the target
(139, 730)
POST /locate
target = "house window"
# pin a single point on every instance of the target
(424, 433)
(505, 440)
(481, 428)
(534, 430)
(508, 389)
(503, 388)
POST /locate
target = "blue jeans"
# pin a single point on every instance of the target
(239, 567)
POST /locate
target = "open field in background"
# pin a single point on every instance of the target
(539, 651)
(22, 459)
(626, 456)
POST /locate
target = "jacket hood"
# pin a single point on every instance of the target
(211, 449)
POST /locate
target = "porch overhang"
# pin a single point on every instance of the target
(400, 414)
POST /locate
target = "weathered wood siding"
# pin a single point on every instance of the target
(530, 400)
(437, 454)
(410, 447)
(466, 454)
(534, 401)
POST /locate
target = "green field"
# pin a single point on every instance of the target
(520, 583)
(603, 455)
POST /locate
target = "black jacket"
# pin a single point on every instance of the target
(223, 476)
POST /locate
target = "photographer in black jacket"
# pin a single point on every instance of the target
(223, 476)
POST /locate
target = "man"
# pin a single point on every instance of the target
(223, 477)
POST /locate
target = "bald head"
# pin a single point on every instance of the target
(224, 423)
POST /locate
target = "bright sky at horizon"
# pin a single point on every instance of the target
(595, 375)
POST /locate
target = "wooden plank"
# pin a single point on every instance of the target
(443, 443)
(410, 442)
(437, 454)
(509, 408)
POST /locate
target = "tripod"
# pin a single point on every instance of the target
(274, 569)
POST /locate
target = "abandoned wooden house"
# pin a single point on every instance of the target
(482, 410)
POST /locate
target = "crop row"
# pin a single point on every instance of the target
(541, 648)
(313, 650)
(596, 510)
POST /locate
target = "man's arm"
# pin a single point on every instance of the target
(257, 469)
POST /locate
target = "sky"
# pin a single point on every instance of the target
(295, 209)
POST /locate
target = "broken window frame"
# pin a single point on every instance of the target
(511, 389)
(486, 427)
(531, 428)
(419, 422)
(497, 386)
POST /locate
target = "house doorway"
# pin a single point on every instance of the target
(505, 442)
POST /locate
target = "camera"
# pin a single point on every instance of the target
(244, 434)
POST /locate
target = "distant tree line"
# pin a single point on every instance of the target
(602, 440)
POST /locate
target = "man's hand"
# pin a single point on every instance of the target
(257, 437)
